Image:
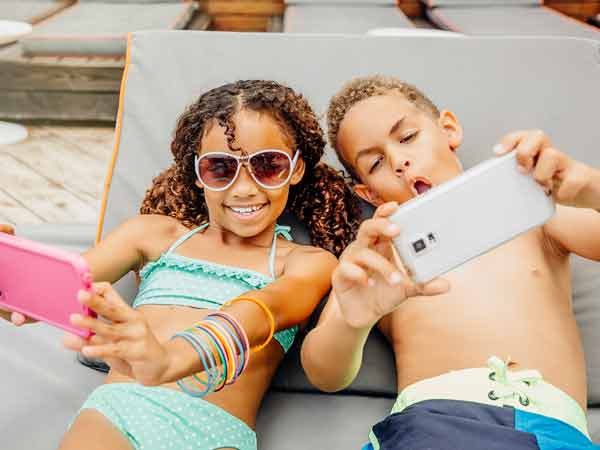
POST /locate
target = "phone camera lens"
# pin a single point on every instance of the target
(419, 245)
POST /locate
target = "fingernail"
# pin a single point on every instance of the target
(75, 317)
(371, 282)
(395, 278)
(393, 228)
(82, 296)
(522, 169)
(498, 148)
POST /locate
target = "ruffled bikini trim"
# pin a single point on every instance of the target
(190, 265)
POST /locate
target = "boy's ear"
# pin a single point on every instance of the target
(298, 172)
(452, 128)
(363, 191)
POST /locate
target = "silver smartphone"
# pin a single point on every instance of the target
(467, 216)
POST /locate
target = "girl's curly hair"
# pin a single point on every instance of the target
(322, 200)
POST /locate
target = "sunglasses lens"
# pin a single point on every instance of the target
(271, 168)
(217, 171)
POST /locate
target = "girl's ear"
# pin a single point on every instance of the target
(198, 184)
(298, 172)
(363, 191)
(452, 128)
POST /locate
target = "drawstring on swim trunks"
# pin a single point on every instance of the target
(511, 384)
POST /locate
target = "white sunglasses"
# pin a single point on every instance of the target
(270, 169)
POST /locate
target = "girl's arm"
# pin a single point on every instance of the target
(5, 228)
(122, 249)
(131, 347)
(120, 252)
(291, 298)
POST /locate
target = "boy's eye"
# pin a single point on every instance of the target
(409, 136)
(375, 164)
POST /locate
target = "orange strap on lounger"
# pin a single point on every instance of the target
(267, 312)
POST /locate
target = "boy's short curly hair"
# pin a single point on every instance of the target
(365, 87)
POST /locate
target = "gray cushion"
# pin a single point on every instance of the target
(43, 386)
(594, 423)
(377, 375)
(586, 304)
(346, 19)
(100, 29)
(30, 11)
(476, 3)
(506, 20)
(324, 422)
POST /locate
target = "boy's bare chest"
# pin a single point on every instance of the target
(514, 282)
(513, 302)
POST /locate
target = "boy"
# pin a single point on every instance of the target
(514, 302)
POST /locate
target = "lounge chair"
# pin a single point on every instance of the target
(506, 17)
(31, 11)
(99, 28)
(42, 386)
(342, 16)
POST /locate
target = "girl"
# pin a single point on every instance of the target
(244, 153)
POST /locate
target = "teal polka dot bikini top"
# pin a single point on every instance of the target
(174, 279)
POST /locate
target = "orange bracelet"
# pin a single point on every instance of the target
(229, 353)
(267, 312)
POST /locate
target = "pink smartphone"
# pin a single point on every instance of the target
(42, 282)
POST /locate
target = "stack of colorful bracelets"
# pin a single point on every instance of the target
(223, 348)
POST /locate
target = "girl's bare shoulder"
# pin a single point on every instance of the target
(154, 232)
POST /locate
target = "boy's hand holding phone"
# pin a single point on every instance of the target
(370, 281)
(570, 182)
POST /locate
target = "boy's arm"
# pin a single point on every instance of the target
(332, 351)
(575, 230)
(367, 285)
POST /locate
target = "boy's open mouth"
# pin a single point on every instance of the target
(420, 186)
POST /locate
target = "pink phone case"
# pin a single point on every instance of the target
(42, 282)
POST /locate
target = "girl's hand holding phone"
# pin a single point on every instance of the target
(126, 343)
(16, 318)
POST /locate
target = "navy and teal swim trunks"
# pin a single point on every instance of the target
(491, 408)
(463, 425)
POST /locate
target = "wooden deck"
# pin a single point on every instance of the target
(56, 175)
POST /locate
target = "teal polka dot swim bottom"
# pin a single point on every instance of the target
(156, 418)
